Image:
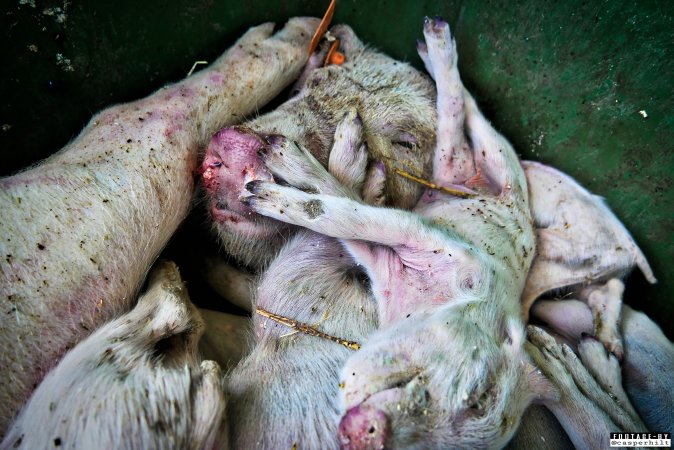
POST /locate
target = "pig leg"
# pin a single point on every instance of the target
(486, 165)
(453, 159)
(605, 368)
(291, 163)
(339, 217)
(136, 382)
(573, 320)
(585, 410)
(81, 229)
(647, 367)
(647, 354)
(234, 285)
(605, 301)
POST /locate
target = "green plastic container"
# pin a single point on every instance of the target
(585, 86)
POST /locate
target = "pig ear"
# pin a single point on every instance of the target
(171, 324)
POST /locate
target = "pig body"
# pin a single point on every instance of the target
(81, 229)
(285, 391)
(448, 367)
(135, 383)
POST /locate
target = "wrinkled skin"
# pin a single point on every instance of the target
(135, 383)
(447, 285)
(294, 379)
(81, 229)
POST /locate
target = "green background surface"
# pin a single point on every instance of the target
(564, 81)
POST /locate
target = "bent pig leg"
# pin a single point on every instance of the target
(585, 409)
(648, 354)
(80, 230)
(605, 302)
(136, 382)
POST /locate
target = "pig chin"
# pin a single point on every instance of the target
(252, 242)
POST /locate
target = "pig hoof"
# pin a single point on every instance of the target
(363, 427)
(253, 187)
(436, 26)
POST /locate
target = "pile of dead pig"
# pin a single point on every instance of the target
(385, 313)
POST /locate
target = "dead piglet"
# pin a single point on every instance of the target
(580, 245)
(134, 383)
(448, 368)
(81, 229)
(284, 393)
(395, 103)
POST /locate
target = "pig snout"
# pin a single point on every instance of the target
(363, 427)
(231, 161)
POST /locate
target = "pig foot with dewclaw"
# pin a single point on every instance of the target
(135, 383)
(438, 275)
(586, 394)
(647, 355)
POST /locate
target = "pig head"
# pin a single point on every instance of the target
(395, 105)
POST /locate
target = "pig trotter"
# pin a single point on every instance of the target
(582, 400)
(348, 157)
(605, 301)
(605, 368)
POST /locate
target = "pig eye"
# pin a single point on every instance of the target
(406, 140)
(405, 144)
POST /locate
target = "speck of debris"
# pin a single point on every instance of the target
(313, 208)
(6, 127)
(40, 246)
(33, 48)
(64, 63)
(643, 113)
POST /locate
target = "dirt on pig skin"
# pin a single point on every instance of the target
(80, 229)
(285, 391)
(135, 383)
(394, 102)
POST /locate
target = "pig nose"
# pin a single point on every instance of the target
(363, 427)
